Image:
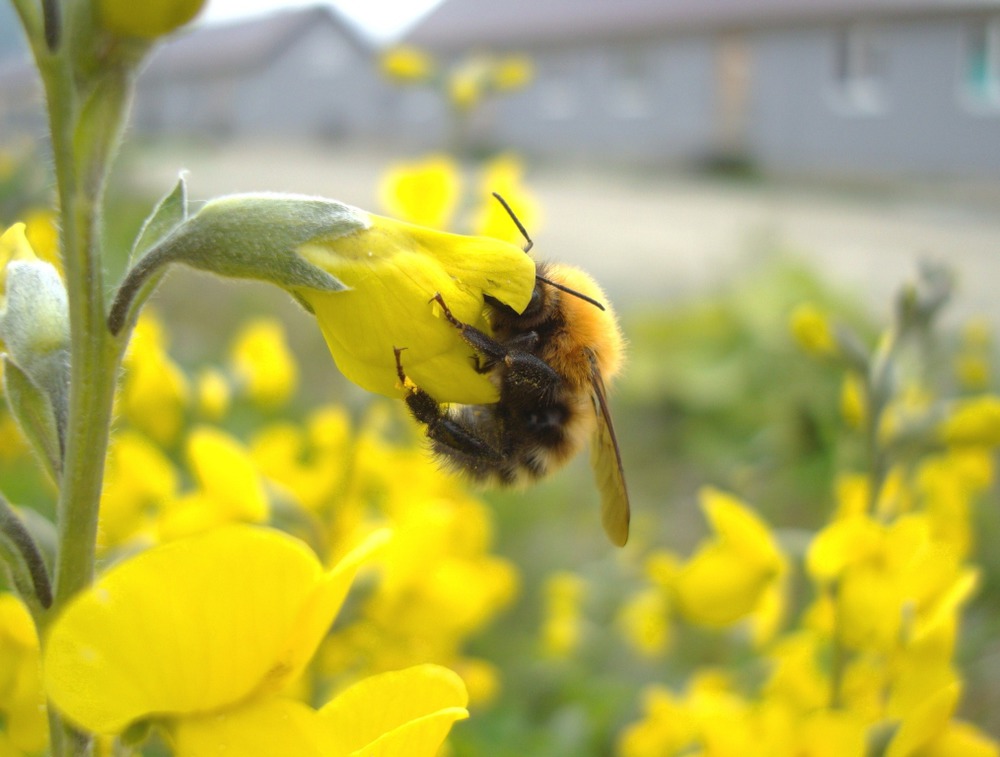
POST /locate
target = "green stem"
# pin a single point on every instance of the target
(94, 353)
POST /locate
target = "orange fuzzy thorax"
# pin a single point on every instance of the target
(587, 327)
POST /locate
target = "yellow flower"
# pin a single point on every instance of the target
(139, 481)
(149, 19)
(263, 364)
(393, 270)
(424, 192)
(729, 575)
(468, 81)
(513, 72)
(14, 245)
(155, 392)
(213, 394)
(401, 712)
(853, 400)
(948, 486)
(406, 64)
(665, 729)
(562, 627)
(796, 676)
(929, 730)
(229, 488)
(975, 421)
(842, 544)
(504, 175)
(198, 634)
(645, 622)
(22, 702)
(406, 712)
(812, 331)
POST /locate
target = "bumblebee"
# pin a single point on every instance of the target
(549, 364)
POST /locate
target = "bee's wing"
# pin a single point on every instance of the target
(606, 461)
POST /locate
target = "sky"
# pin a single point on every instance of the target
(382, 20)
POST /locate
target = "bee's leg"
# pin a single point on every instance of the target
(486, 345)
(446, 432)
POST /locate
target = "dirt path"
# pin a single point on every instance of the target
(660, 237)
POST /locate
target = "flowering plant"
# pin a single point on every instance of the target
(198, 628)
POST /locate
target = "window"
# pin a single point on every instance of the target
(860, 68)
(981, 70)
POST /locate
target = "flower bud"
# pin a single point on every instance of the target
(152, 18)
(34, 326)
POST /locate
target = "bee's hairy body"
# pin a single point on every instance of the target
(548, 364)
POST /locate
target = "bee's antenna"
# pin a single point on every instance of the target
(524, 233)
(573, 292)
(514, 218)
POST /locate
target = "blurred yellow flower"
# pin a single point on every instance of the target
(665, 729)
(730, 574)
(929, 730)
(22, 702)
(228, 487)
(43, 235)
(138, 482)
(504, 175)
(214, 394)
(948, 485)
(853, 400)
(562, 624)
(423, 192)
(513, 72)
(796, 675)
(215, 623)
(262, 363)
(407, 64)
(393, 270)
(974, 421)
(154, 393)
(645, 621)
(973, 363)
(812, 331)
(14, 245)
(467, 83)
(152, 18)
(309, 463)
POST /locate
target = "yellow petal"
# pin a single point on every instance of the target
(716, 587)
(393, 270)
(317, 613)
(974, 421)
(406, 64)
(740, 528)
(841, 544)
(263, 362)
(261, 728)
(13, 246)
(402, 712)
(226, 474)
(811, 329)
(925, 723)
(192, 626)
(425, 192)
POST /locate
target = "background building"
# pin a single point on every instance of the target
(831, 86)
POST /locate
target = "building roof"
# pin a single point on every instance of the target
(244, 45)
(458, 24)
